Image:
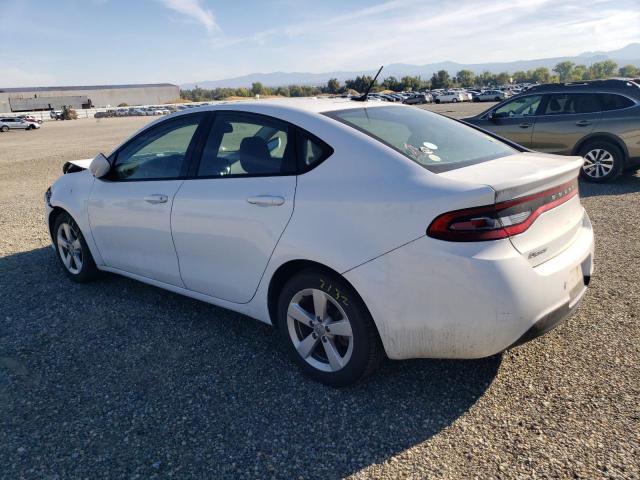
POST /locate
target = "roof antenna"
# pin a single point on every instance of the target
(363, 98)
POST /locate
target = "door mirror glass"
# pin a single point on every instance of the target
(99, 166)
(274, 143)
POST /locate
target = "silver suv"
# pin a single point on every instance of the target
(598, 120)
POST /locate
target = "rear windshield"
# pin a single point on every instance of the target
(433, 141)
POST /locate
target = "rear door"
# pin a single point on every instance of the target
(564, 119)
(514, 119)
(229, 215)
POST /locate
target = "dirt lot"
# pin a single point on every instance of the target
(118, 379)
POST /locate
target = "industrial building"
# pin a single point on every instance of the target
(53, 98)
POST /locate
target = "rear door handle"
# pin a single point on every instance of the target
(525, 125)
(156, 198)
(266, 200)
(583, 123)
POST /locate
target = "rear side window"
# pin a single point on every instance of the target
(312, 152)
(244, 144)
(571, 103)
(611, 101)
(433, 141)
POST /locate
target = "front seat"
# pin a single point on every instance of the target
(255, 157)
(554, 106)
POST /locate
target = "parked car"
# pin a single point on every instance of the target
(418, 98)
(449, 97)
(597, 120)
(490, 96)
(31, 118)
(17, 123)
(362, 267)
(100, 115)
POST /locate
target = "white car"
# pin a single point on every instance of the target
(449, 97)
(358, 229)
(16, 123)
(491, 96)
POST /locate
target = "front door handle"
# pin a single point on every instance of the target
(156, 198)
(525, 125)
(266, 200)
(583, 123)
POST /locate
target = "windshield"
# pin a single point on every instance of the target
(433, 141)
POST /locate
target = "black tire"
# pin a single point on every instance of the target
(437, 100)
(455, 100)
(4, 128)
(367, 351)
(497, 99)
(88, 270)
(606, 150)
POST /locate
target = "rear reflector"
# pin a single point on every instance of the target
(501, 220)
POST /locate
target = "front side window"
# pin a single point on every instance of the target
(433, 141)
(611, 101)
(571, 103)
(519, 107)
(247, 144)
(157, 153)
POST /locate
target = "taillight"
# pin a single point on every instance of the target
(501, 220)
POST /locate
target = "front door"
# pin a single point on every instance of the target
(130, 209)
(227, 220)
(513, 120)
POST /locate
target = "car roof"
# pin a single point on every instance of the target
(593, 86)
(307, 104)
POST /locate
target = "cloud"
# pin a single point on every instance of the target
(17, 77)
(193, 10)
(418, 31)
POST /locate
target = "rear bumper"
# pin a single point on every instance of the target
(552, 319)
(454, 300)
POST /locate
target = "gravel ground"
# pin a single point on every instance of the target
(118, 379)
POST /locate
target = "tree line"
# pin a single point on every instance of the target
(563, 72)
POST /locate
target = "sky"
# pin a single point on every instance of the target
(84, 42)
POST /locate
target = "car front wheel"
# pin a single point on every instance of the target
(72, 250)
(327, 329)
(602, 161)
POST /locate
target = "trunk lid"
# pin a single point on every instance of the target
(534, 175)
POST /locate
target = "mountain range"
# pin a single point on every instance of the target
(623, 56)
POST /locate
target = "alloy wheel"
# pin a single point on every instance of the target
(598, 163)
(320, 330)
(69, 247)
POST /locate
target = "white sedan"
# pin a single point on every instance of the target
(450, 97)
(358, 229)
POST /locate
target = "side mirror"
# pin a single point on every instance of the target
(99, 166)
(274, 143)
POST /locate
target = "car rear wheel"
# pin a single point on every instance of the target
(4, 128)
(602, 161)
(72, 250)
(327, 329)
